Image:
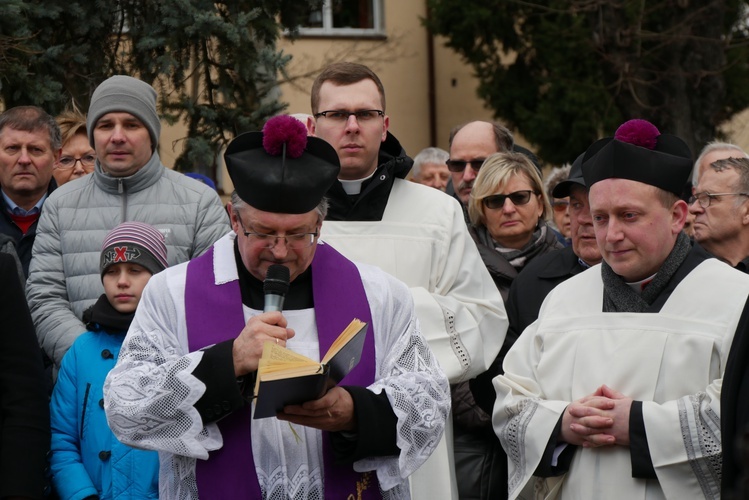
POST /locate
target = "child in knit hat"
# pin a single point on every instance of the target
(87, 460)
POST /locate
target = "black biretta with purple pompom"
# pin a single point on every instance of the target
(280, 169)
(639, 152)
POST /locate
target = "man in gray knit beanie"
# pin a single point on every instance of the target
(129, 183)
(123, 126)
(129, 95)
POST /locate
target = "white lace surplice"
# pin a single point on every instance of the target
(149, 395)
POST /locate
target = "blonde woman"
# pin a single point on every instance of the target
(508, 208)
(77, 157)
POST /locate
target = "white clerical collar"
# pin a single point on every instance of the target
(639, 286)
(354, 186)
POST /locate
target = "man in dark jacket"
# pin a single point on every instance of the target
(24, 409)
(29, 148)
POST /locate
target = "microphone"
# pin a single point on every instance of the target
(275, 286)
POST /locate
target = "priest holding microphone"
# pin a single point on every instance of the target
(184, 381)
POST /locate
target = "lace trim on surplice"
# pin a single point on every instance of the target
(700, 429)
(513, 436)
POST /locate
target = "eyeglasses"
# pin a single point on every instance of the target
(66, 162)
(340, 116)
(560, 205)
(297, 241)
(458, 166)
(517, 198)
(705, 198)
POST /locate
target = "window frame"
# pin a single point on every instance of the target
(328, 30)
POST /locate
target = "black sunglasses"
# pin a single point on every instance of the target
(517, 198)
(458, 166)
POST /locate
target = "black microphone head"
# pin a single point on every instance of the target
(276, 280)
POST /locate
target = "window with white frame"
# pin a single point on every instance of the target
(345, 18)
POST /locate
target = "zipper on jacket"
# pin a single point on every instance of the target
(85, 405)
(121, 190)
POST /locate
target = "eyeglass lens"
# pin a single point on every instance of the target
(363, 115)
(460, 165)
(704, 199)
(69, 161)
(560, 206)
(293, 241)
(498, 200)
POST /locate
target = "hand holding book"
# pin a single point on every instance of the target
(288, 378)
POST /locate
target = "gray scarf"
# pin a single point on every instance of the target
(516, 258)
(619, 297)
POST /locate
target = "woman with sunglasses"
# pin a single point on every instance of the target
(77, 157)
(508, 209)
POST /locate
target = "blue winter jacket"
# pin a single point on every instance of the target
(86, 457)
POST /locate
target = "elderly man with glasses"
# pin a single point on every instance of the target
(184, 381)
(720, 205)
(413, 232)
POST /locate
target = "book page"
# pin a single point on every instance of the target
(274, 353)
(352, 329)
(279, 360)
(291, 372)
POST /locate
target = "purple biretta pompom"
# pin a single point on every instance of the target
(284, 129)
(638, 132)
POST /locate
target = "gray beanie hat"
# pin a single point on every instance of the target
(125, 94)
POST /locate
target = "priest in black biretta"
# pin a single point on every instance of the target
(281, 169)
(635, 348)
(216, 322)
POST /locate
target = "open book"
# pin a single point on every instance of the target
(285, 377)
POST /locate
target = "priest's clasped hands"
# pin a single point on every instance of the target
(599, 419)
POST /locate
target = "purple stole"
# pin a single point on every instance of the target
(213, 314)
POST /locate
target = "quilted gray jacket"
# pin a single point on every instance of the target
(64, 277)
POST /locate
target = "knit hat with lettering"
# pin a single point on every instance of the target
(125, 94)
(134, 242)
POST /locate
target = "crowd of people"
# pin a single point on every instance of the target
(577, 335)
